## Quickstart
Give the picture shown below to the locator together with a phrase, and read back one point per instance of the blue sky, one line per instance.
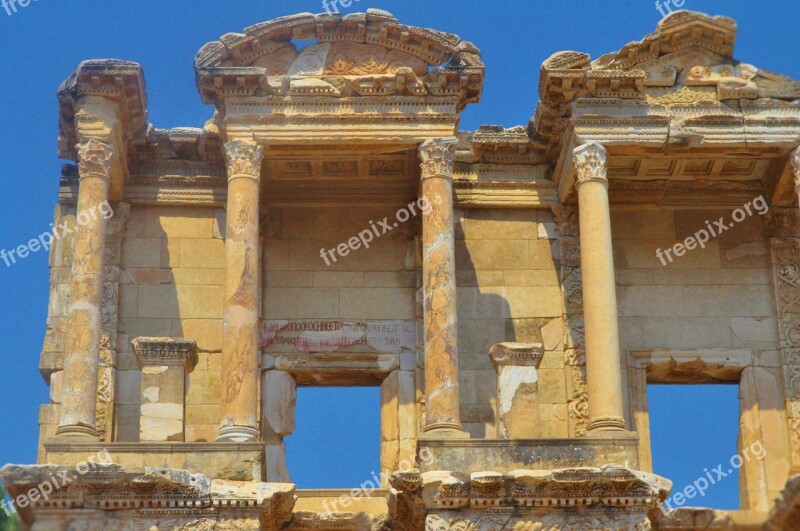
(42, 44)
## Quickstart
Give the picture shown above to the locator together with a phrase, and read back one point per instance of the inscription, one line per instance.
(389, 337)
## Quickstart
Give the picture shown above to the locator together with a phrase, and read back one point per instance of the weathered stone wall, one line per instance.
(717, 297)
(508, 290)
(173, 262)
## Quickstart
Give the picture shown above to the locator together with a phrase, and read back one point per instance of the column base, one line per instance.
(77, 433)
(445, 430)
(601, 424)
(238, 434)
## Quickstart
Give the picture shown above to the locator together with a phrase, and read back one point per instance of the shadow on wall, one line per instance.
(493, 257)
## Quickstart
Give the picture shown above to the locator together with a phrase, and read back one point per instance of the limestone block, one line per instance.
(304, 255)
(157, 301)
(730, 301)
(493, 254)
(275, 462)
(517, 389)
(142, 327)
(333, 279)
(377, 303)
(494, 224)
(472, 278)
(202, 277)
(202, 254)
(179, 222)
(301, 303)
(642, 254)
(533, 277)
(206, 332)
(141, 252)
(650, 301)
(643, 225)
(390, 425)
(276, 255)
(289, 279)
(199, 302)
(762, 329)
(146, 276)
(393, 279)
(536, 301)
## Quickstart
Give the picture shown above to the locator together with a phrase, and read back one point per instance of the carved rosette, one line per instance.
(243, 159)
(437, 157)
(95, 158)
(590, 163)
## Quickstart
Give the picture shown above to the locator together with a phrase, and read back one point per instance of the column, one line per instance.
(82, 347)
(240, 338)
(603, 365)
(440, 327)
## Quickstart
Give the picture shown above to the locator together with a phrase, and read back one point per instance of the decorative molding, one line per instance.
(95, 159)
(590, 162)
(166, 351)
(795, 157)
(437, 157)
(243, 159)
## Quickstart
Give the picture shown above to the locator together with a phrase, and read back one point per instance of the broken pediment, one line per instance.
(363, 54)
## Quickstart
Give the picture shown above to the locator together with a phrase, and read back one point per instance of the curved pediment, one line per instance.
(364, 54)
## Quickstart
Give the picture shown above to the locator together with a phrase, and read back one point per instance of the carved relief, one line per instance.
(590, 163)
(437, 157)
(786, 279)
(95, 158)
(243, 159)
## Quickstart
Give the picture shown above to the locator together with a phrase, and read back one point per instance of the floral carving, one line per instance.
(437, 157)
(243, 159)
(590, 163)
(95, 158)
(795, 157)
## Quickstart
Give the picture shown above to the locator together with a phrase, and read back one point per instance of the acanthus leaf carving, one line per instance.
(95, 158)
(590, 163)
(243, 159)
(437, 157)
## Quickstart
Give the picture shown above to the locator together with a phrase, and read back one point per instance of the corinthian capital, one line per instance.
(590, 163)
(437, 157)
(795, 157)
(95, 158)
(244, 159)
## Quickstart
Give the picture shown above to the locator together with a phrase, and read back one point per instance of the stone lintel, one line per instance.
(165, 351)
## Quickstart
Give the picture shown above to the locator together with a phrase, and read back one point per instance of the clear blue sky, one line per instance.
(43, 43)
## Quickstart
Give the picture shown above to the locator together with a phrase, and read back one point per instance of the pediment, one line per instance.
(364, 54)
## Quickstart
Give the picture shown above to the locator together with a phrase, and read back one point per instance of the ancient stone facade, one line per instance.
(513, 303)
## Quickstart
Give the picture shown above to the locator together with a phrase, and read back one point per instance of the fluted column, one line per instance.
(439, 289)
(603, 364)
(240, 340)
(795, 158)
(82, 348)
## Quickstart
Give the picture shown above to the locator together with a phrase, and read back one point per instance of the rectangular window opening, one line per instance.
(694, 434)
(336, 444)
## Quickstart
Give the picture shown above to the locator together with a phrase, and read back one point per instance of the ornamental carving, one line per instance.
(590, 163)
(243, 159)
(95, 158)
(437, 157)
(795, 157)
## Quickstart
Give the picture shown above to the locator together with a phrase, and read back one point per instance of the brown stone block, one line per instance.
(202, 433)
(207, 332)
(492, 254)
(289, 279)
(203, 277)
(552, 386)
(141, 252)
(199, 302)
(377, 303)
(493, 224)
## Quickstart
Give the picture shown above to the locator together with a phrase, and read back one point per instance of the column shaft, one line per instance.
(603, 364)
(82, 348)
(439, 287)
(240, 336)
